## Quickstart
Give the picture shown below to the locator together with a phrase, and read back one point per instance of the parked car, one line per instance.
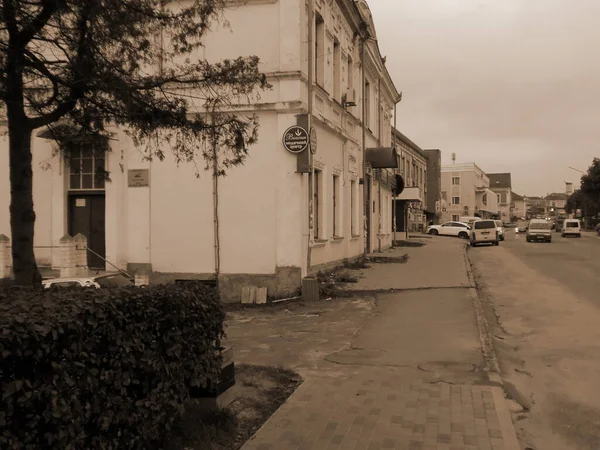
(96, 282)
(500, 228)
(539, 230)
(459, 229)
(571, 227)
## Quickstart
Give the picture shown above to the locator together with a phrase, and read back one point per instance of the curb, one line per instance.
(491, 360)
(492, 367)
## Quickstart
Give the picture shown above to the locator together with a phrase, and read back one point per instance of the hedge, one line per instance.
(105, 368)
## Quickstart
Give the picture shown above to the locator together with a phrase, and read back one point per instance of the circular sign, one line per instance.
(313, 141)
(295, 139)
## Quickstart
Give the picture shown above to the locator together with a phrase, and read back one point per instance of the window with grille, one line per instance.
(87, 170)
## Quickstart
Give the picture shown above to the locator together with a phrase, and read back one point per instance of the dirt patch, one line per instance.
(389, 259)
(260, 391)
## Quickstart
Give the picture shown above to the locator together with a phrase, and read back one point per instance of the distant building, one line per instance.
(555, 203)
(536, 206)
(501, 184)
(411, 204)
(518, 206)
(466, 191)
(434, 185)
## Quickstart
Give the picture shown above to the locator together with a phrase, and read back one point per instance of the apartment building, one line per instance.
(518, 207)
(501, 184)
(466, 192)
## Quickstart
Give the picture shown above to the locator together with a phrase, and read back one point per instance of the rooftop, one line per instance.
(408, 142)
(516, 196)
(557, 196)
(500, 180)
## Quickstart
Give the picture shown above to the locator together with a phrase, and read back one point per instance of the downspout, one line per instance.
(395, 193)
(366, 201)
(379, 143)
(311, 176)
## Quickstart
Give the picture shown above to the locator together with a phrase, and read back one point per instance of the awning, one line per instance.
(382, 157)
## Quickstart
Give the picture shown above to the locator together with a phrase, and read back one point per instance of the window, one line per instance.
(350, 79)
(319, 50)
(455, 217)
(335, 186)
(337, 74)
(498, 197)
(503, 197)
(316, 205)
(455, 181)
(353, 229)
(484, 225)
(444, 196)
(456, 200)
(484, 199)
(367, 104)
(87, 170)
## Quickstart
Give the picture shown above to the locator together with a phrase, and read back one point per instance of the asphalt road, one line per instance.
(543, 307)
(574, 262)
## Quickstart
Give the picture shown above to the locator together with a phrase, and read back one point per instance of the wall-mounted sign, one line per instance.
(80, 202)
(138, 178)
(295, 139)
(313, 141)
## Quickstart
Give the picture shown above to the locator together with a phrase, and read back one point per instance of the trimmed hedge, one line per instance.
(106, 368)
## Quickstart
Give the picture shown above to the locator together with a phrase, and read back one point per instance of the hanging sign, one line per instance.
(295, 139)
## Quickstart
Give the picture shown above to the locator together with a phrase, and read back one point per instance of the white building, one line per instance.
(466, 192)
(157, 217)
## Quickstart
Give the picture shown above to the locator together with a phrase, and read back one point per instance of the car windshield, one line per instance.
(484, 225)
(572, 224)
(539, 226)
(113, 281)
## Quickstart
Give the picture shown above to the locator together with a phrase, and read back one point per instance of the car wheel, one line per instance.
(463, 235)
(579, 235)
(472, 244)
(434, 232)
(496, 243)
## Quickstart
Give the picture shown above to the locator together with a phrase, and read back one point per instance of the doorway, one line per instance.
(87, 216)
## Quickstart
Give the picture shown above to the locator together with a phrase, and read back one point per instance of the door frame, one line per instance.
(83, 193)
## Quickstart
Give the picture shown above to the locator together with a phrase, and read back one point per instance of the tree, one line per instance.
(87, 65)
(590, 182)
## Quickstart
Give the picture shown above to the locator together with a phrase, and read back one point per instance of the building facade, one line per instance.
(434, 187)
(466, 192)
(556, 203)
(411, 204)
(536, 207)
(159, 217)
(518, 207)
(501, 184)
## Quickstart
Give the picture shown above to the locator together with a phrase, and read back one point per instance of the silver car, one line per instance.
(96, 282)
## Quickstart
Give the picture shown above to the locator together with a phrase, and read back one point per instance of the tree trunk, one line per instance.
(22, 215)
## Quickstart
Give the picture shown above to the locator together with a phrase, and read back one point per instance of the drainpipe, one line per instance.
(311, 176)
(366, 201)
(379, 144)
(395, 193)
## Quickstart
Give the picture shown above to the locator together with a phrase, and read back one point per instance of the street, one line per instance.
(543, 309)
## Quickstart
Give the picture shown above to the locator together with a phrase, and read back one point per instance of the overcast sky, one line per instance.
(512, 85)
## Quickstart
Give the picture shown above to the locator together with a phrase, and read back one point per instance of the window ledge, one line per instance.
(355, 236)
(319, 242)
(336, 239)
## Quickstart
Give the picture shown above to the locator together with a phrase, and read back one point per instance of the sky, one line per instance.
(512, 85)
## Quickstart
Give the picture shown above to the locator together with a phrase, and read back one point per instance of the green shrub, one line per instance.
(106, 368)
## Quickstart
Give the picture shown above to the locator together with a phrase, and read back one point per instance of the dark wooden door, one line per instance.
(369, 212)
(87, 216)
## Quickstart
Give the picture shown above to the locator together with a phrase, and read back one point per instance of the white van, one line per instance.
(571, 227)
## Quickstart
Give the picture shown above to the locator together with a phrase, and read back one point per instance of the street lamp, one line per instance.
(583, 208)
(576, 170)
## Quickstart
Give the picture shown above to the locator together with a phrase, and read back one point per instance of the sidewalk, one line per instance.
(411, 377)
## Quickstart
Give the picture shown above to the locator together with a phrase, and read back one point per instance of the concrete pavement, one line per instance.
(544, 311)
(411, 374)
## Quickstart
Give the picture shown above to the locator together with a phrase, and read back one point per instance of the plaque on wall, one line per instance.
(138, 178)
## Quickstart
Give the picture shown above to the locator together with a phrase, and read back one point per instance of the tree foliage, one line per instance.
(135, 64)
(590, 181)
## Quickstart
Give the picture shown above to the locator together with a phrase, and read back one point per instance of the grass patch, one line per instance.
(260, 391)
(359, 263)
